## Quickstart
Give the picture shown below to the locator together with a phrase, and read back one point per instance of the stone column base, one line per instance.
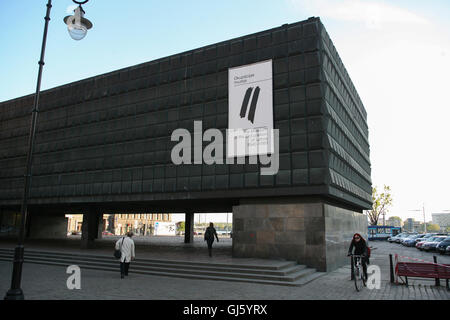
(189, 228)
(315, 234)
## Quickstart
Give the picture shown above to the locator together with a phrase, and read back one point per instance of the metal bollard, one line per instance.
(436, 280)
(391, 269)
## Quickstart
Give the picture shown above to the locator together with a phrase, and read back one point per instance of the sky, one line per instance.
(397, 54)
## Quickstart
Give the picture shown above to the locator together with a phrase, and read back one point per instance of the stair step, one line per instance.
(280, 265)
(177, 275)
(219, 273)
(173, 268)
(282, 273)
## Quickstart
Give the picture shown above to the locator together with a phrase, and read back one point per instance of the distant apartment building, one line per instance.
(139, 223)
(411, 225)
(408, 225)
(394, 222)
(441, 219)
(418, 226)
(119, 224)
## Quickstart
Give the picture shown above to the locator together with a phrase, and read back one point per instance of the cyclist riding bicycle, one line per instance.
(360, 246)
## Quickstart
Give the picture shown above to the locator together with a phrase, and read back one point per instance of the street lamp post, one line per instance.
(15, 292)
(78, 25)
(424, 221)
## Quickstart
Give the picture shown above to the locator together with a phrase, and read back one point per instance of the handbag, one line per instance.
(118, 253)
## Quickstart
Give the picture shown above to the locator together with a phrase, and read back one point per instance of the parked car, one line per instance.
(424, 236)
(443, 245)
(401, 237)
(411, 240)
(107, 233)
(420, 243)
(391, 239)
(223, 232)
(447, 251)
(394, 238)
(431, 244)
(404, 238)
(408, 237)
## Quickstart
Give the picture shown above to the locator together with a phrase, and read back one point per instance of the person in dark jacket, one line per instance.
(359, 244)
(209, 237)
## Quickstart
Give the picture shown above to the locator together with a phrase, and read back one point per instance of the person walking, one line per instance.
(209, 237)
(126, 247)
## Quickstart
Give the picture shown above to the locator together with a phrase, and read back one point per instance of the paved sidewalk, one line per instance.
(49, 282)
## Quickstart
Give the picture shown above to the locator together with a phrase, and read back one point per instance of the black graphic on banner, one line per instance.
(251, 113)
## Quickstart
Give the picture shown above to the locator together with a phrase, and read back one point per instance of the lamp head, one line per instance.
(77, 25)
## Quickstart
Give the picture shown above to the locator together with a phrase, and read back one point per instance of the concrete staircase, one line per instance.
(285, 273)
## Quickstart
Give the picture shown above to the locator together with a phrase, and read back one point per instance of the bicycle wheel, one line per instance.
(358, 278)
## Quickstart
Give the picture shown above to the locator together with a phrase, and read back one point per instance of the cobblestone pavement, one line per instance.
(49, 282)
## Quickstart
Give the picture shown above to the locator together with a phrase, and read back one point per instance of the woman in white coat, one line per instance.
(126, 246)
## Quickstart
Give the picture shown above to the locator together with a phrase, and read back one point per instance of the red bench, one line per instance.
(423, 270)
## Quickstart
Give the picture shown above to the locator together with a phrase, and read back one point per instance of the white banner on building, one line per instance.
(250, 110)
(165, 228)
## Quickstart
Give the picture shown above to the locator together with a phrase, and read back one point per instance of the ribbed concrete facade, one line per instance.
(107, 138)
(104, 143)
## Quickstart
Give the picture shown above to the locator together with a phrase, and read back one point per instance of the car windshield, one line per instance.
(447, 239)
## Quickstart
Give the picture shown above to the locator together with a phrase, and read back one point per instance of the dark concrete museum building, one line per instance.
(104, 145)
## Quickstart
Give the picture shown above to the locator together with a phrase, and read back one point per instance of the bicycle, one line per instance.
(358, 273)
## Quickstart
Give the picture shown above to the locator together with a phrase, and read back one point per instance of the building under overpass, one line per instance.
(104, 145)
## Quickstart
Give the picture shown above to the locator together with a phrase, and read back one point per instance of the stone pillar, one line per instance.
(100, 227)
(315, 234)
(189, 228)
(91, 228)
(111, 223)
(340, 226)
